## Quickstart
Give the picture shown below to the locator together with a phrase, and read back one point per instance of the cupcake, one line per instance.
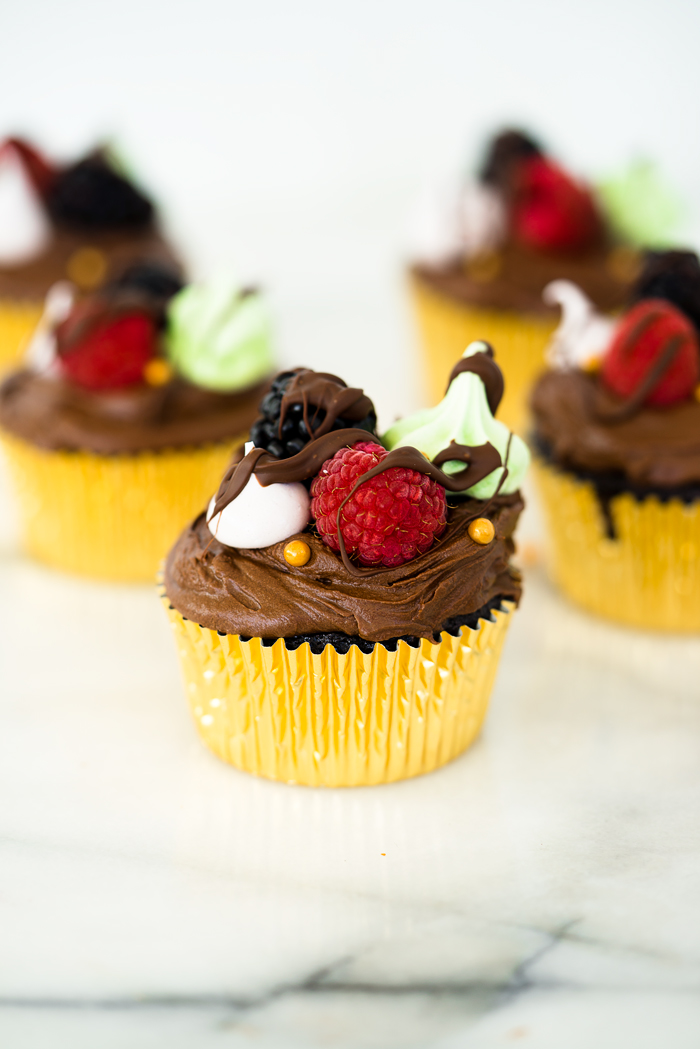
(617, 437)
(127, 410)
(85, 222)
(485, 252)
(340, 607)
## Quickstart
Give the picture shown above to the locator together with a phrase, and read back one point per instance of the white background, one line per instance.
(289, 139)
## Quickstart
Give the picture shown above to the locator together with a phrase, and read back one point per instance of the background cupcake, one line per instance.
(340, 608)
(617, 434)
(485, 253)
(126, 413)
(85, 222)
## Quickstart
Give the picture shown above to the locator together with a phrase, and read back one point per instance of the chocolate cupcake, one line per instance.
(484, 254)
(617, 436)
(85, 222)
(340, 607)
(130, 405)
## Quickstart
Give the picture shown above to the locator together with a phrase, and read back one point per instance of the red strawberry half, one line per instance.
(550, 211)
(641, 337)
(102, 351)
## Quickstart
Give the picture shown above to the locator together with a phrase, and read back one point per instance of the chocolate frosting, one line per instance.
(321, 391)
(54, 414)
(583, 430)
(121, 249)
(256, 593)
(522, 277)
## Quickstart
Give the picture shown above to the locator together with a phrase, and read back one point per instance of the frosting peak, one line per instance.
(219, 336)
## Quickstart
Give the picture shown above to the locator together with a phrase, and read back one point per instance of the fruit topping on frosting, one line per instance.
(583, 334)
(106, 345)
(219, 335)
(550, 211)
(465, 419)
(385, 520)
(25, 230)
(654, 358)
(260, 516)
(303, 404)
(94, 195)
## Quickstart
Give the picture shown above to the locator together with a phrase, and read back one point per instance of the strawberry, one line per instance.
(550, 211)
(103, 351)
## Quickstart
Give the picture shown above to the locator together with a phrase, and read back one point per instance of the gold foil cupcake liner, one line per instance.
(17, 323)
(647, 576)
(338, 720)
(519, 339)
(112, 517)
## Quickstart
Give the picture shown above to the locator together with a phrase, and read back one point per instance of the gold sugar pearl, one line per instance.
(697, 393)
(485, 267)
(157, 372)
(623, 264)
(297, 553)
(87, 267)
(482, 531)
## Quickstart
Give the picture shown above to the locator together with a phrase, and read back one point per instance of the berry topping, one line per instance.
(671, 275)
(390, 519)
(92, 195)
(305, 416)
(550, 211)
(504, 157)
(651, 332)
(102, 349)
(152, 278)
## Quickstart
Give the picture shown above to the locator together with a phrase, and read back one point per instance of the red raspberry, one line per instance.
(389, 520)
(551, 212)
(632, 355)
(113, 352)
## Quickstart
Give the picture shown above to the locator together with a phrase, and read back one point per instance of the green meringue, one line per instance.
(640, 206)
(464, 416)
(218, 337)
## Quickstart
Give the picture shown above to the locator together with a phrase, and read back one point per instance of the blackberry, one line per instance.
(265, 431)
(503, 154)
(674, 276)
(91, 195)
(155, 282)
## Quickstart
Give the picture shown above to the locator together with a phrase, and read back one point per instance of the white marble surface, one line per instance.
(543, 890)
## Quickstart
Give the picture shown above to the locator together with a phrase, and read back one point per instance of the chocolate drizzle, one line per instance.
(325, 393)
(483, 365)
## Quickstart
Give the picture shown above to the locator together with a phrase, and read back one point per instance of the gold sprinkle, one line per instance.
(485, 267)
(157, 372)
(697, 393)
(624, 263)
(297, 553)
(482, 531)
(87, 267)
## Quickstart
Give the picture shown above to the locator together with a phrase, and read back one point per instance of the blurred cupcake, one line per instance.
(127, 411)
(484, 252)
(617, 435)
(85, 222)
(341, 606)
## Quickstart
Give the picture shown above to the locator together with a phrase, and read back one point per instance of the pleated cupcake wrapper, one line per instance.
(519, 340)
(338, 720)
(17, 323)
(647, 576)
(112, 517)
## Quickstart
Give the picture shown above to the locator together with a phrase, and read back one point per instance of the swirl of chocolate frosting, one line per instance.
(483, 365)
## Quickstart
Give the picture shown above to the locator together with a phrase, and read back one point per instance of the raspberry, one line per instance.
(389, 520)
(551, 212)
(111, 353)
(632, 355)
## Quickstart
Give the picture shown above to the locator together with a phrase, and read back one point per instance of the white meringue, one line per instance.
(456, 220)
(583, 334)
(261, 516)
(41, 351)
(25, 230)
